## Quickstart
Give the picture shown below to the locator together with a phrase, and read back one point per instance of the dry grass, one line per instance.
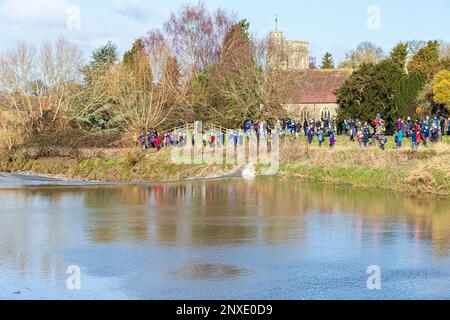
(352, 155)
(433, 175)
(426, 170)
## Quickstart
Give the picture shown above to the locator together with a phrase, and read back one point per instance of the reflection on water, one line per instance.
(130, 239)
(210, 271)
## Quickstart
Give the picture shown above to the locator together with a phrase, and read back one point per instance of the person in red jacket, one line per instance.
(418, 138)
(213, 140)
(158, 143)
(416, 127)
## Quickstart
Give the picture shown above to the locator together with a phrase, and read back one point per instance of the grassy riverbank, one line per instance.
(424, 171)
(106, 165)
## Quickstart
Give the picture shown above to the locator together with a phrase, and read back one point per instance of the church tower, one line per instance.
(287, 54)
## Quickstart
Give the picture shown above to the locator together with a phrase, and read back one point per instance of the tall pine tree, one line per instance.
(327, 61)
(106, 54)
(426, 61)
(399, 55)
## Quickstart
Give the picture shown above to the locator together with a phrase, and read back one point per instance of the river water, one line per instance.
(225, 239)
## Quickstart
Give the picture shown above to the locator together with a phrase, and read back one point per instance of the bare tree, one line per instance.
(35, 83)
(135, 108)
(158, 48)
(11, 129)
(195, 35)
(444, 51)
(366, 52)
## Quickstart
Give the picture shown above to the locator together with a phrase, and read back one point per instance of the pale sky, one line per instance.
(329, 25)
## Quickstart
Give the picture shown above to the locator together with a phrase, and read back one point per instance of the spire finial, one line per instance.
(276, 22)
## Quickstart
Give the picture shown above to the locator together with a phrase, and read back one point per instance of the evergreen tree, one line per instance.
(224, 92)
(132, 55)
(406, 92)
(380, 88)
(94, 99)
(399, 54)
(327, 61)
(106, 54)
(426, 61)
(236, 44)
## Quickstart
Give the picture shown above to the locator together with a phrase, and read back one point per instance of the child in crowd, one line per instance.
(382, 140)
(141, 140)
(167, 142)
(320, 137)
(332, 140)
(366, 135)
(418, 138)
(413, 140)
(310, 135)
(399, 139)
(360, 137)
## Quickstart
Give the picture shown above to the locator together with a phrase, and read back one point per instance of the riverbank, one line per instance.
(426, 170)
(415, 172)
(106, 165)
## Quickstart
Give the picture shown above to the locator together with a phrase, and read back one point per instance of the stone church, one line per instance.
(315, 98)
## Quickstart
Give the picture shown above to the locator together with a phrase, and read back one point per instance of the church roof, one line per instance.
(319, 86)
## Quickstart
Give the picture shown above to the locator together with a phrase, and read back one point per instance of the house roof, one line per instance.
(319, 86)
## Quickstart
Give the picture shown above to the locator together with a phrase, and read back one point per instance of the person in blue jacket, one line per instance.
(320, 136)
(399, 139)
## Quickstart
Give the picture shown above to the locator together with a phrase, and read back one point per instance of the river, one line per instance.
(221, 239)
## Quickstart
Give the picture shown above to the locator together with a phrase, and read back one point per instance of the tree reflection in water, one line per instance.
(35, 221)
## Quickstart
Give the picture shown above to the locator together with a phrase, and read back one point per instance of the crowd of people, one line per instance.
(371, 133)
(418, 131)
(215, 137)
(324, 131)
(151, 139)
